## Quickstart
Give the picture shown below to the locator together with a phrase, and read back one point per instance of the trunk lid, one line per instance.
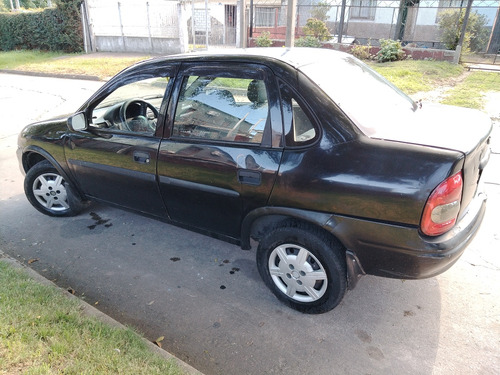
(442, 126)
(465, 130)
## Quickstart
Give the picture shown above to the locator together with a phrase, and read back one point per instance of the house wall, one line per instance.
(422, 21)
(137, 26)
(370, 30)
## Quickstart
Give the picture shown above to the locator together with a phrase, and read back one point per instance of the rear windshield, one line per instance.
(373, 103)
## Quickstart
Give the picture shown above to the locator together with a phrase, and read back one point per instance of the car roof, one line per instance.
(296, 57)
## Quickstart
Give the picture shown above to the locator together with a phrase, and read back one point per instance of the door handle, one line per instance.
(248, 177)
(142, 157)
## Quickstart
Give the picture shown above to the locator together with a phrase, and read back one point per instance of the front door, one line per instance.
(115, 159)
(223, 146)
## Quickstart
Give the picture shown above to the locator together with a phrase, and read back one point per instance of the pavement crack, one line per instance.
(492, 268)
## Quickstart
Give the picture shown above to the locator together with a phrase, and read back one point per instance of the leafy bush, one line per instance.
(317, 29)
(308, 41)
(476, 34)
(53, 29)
(361, 52)
(264, 40)
(390, 50)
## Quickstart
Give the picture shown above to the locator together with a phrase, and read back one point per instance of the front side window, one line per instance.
(133, 107)
(222, 109)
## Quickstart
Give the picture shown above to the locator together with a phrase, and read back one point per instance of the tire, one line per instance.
(49, 193)
(303, 267)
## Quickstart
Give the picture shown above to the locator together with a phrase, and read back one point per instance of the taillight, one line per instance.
(442, 207)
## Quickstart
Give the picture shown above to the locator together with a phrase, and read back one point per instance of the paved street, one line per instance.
(206, 297)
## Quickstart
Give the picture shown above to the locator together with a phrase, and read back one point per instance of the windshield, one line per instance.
(366, 97)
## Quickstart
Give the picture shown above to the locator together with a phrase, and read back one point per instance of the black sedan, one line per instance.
(331, 169)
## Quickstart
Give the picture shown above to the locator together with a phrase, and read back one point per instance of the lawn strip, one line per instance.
(43, 331)
(470, 93)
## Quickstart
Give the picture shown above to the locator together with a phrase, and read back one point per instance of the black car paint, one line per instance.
(369, 193)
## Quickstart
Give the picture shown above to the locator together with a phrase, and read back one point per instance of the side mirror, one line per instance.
(77, 122)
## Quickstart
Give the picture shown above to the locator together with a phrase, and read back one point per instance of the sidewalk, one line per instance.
(484, 67)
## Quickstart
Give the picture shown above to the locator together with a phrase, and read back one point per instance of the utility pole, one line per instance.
(342, 18)
(290, 23)
(458, 50)
(494, 42)
(243, 24)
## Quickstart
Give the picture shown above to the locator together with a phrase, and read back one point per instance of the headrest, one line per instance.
(257, 92)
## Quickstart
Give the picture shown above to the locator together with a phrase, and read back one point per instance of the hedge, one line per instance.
(52, 29)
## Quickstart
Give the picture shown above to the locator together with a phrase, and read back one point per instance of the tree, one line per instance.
(320, 11)
(316, 28)
(476, 34)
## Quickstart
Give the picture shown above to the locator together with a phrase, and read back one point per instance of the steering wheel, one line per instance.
(140, 120)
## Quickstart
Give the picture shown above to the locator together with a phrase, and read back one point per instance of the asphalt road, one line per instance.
(206, 297)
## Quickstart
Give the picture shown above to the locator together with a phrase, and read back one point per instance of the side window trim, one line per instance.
(288, 93)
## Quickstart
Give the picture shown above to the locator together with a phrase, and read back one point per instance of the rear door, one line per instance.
(223, 145)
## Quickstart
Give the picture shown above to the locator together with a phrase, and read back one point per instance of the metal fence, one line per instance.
(138, 26)
(414, 22)
(171, 26)
(211, 24)
(158, 26)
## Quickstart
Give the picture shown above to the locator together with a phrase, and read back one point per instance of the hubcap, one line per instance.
(297, 273)
(50, 192)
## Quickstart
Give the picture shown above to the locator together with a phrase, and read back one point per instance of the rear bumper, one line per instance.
(401, 252)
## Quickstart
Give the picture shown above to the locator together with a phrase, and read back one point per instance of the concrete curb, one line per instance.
(91, 311)
(52, 75)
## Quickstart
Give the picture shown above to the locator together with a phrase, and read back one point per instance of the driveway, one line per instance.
(206, 297)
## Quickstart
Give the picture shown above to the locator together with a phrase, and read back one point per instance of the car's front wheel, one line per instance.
(303, 267)
(49, 193)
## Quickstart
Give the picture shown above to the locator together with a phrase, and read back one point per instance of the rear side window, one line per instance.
(299, 129)
(222, 109)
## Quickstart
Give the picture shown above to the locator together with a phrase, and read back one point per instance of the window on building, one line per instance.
(452, 3)
(265, 16)
(363, 9)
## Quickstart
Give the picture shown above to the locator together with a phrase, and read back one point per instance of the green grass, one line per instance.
(470, 92)
(46, 62)
(44, 332)
(14, 59)
(413, 76)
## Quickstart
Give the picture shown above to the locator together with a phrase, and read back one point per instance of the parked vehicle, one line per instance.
(330, 168)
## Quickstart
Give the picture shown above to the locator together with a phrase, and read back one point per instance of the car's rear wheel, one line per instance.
(49, 192)
(303, 267)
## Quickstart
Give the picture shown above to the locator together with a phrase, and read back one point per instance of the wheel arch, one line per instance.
(33, 155)
(263, 219)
